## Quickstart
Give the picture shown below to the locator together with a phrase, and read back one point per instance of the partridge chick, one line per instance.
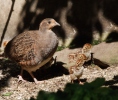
(72, 56)
(86, 50)
(76, 71)
(33, 49)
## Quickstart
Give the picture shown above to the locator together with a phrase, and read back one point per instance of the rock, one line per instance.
(106, 52)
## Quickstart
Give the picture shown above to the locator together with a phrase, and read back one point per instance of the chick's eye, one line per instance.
(49, 22)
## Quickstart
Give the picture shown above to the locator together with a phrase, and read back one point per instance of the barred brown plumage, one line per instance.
(33, 49)
(77, 69)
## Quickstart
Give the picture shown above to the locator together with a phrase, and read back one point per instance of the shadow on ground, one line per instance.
(10, 69)
(111, 83)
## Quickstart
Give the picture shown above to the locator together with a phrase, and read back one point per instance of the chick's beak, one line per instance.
(57, 24)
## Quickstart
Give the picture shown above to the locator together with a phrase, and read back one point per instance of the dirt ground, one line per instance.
(52, 79)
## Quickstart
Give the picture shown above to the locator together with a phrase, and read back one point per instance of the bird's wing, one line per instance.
(28, 49)
(25, 50)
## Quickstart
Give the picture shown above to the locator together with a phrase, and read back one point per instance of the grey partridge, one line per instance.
(76, 70)
(33, 49)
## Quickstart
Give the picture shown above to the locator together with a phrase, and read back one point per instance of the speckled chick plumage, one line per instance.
(76, 70)
(86, 50)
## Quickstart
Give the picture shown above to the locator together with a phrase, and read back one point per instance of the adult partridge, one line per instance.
(33, 49)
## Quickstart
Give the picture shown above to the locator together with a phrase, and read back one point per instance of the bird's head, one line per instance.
(86, 48)
(48, 24)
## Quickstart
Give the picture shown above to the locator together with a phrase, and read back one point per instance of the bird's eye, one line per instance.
(49, 22)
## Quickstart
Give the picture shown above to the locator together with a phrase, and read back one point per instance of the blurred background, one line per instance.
(81, 21)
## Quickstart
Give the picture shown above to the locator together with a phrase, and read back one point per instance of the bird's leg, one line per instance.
(55, 60)
(51, 61)
(20, 78)
(48, 64)
(72, 78)
(80, 81)
(71, 81)
(92, 59)
(35, 80)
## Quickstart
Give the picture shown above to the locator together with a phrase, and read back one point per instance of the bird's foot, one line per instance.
(38, 82)
(81, 83)
(20, 79)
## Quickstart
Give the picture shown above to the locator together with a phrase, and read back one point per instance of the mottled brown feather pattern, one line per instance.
(77, 69)
(27, 50)
(32, 49)
(73, 56)
(79, 58)
(86, 50)
(79, 63)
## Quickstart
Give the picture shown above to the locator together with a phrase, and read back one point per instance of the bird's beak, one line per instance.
(57, 24)
(53, 25)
